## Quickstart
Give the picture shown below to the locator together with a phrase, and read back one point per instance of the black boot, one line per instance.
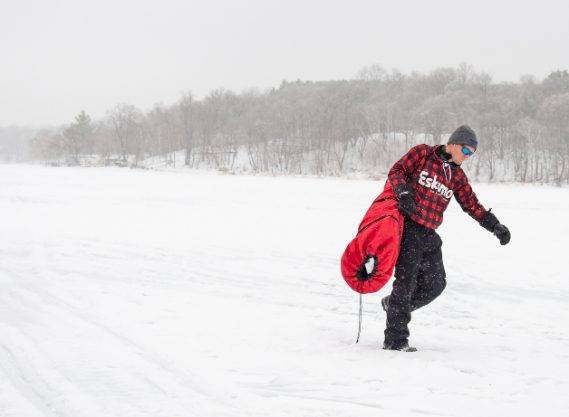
(402, 348)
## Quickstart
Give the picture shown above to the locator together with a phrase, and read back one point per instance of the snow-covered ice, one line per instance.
(140, 293)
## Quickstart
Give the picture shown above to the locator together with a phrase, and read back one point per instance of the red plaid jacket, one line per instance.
(434, 182)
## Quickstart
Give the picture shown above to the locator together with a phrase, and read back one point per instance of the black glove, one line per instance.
(491, 223)
(502, 233)
(406, 201)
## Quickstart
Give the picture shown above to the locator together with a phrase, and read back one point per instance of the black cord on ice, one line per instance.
(360, 319)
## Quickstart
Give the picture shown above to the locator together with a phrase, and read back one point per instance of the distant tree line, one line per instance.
(336, 127)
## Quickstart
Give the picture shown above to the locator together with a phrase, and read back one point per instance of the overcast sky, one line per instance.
(61, 56)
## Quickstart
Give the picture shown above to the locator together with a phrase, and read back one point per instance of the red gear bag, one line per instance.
(379, 236)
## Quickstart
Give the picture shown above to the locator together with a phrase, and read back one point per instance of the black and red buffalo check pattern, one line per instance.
(421, 167)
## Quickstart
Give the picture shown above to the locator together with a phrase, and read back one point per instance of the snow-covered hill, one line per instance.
(135, 293)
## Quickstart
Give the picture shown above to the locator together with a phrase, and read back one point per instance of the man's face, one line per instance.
(458, 157)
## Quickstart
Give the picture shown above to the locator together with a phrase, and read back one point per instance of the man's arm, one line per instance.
(402, 169)
(470, 204)
(468, 201)
(399, 175)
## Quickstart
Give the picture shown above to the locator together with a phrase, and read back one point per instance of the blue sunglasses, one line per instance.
(466, 151)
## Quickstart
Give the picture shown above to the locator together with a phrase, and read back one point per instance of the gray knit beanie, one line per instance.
(464, 135)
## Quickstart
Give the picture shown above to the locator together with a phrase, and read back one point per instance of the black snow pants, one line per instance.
(419, 279)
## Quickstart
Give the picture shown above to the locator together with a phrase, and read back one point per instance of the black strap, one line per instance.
(360, 319)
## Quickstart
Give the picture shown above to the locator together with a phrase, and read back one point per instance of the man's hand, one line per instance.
(406, 202)
(490, 222)
(502, 233)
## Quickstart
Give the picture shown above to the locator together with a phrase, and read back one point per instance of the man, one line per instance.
(424, 180)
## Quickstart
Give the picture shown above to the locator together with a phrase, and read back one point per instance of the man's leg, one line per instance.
(431, 280)
(406, 270)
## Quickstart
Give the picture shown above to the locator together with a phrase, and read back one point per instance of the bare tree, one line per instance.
(185, 111)
(555, 113)
(48, 146)
(124, 119)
